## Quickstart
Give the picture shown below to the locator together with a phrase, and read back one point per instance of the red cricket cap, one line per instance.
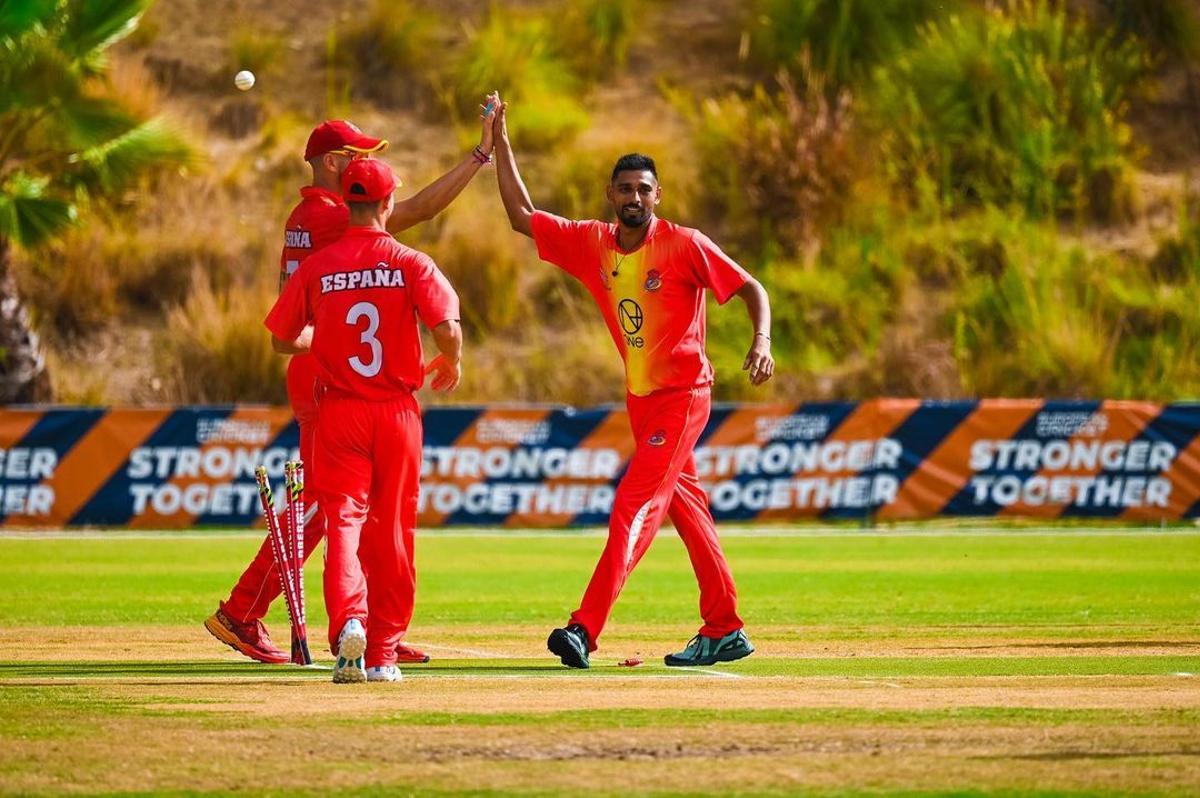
(338, 134)
(368, 180)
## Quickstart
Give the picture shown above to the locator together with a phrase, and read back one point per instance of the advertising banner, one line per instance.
(523, 466)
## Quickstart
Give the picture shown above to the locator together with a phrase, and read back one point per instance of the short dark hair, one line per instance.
(364, 208)
(634, 162)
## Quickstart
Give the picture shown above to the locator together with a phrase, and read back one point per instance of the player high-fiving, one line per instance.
(363, 296)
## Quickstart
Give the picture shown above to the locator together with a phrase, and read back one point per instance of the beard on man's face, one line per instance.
(634, 216)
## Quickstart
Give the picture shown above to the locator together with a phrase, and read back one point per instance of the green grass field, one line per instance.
(966, 662)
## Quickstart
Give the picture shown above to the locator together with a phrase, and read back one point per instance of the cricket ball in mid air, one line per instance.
(244, 80)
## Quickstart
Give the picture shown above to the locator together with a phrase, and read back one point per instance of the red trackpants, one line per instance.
(661, 481)
(369, 456)
(259, 584)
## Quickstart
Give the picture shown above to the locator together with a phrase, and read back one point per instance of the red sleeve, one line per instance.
(432, 294)
(560, 241)
(714, 269)
(291, 312)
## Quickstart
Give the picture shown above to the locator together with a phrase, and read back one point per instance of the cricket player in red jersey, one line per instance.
(648, 276)
(317, 221)
(362, 298)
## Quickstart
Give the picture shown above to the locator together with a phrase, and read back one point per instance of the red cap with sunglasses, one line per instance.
(338, 134)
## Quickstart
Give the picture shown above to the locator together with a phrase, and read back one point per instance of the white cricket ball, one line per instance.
(244, 80)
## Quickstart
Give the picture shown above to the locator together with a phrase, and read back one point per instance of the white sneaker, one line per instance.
(384, 673)
(352, 642)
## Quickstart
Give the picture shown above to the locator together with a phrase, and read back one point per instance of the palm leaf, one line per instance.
(114, 164)
(18, 16)
(27, 215)
(87, 122)
(94, 25)
(34, 74)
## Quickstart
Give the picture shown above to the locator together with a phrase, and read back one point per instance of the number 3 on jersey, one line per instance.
(372, 366)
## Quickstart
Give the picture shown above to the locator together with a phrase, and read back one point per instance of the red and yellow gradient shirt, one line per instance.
(364, 295)
(652, 298)
(316, 222)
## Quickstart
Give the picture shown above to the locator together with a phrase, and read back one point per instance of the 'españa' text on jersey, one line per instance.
(381, 276)
(364, 294)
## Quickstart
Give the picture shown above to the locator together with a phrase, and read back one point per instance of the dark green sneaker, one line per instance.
(571, 645)
(703, 650)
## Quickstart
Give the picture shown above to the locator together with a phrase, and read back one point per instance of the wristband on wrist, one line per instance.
(764, 335)
(480, 156)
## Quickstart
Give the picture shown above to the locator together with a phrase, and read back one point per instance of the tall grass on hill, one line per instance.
(522, 56)
(258, 50)
(775, 166)
(595, 36)
(1017, 106)
(472, 243)
(1037, 316)
(845, 39)
(1169, 26)
(389, 48)
(214, 347)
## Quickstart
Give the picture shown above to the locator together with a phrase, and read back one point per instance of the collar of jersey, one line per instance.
(364, 232)
(646, 240)
(316, 192)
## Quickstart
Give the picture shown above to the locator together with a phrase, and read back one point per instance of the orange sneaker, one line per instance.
(250, 639)
(408, 654)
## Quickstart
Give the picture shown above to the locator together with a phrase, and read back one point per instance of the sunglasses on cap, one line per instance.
(354, 155)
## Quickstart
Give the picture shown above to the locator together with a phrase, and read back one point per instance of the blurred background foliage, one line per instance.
(944, 197)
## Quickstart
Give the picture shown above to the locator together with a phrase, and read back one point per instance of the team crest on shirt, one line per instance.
(658, 438)
(653, 280)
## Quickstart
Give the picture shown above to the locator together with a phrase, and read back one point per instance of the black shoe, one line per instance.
(571, 645)
(702, 650)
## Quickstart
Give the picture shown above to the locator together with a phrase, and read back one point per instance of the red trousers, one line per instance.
(369, 456)
(259, 584)
(661, 481)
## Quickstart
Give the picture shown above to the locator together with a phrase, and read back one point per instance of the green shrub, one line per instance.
(594, 36)
(388, 51)
(521, 56)
(775, 166)
(846, 38)
(1017, 106)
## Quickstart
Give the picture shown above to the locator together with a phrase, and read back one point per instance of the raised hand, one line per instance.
(487, 116)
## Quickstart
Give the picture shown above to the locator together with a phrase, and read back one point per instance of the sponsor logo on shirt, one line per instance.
(658, 438)
(629, 313)
(653, 280)
(297, 239)
(382, 276)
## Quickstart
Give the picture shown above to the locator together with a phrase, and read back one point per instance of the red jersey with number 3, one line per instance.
(651, 298)
(364, 294)
(320, 219)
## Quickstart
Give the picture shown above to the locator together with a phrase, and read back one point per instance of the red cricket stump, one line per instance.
(294, 485)
(283, 548)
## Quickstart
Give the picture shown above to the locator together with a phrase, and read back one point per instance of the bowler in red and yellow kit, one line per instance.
(649, 278)
(320, 219)
(363, 297)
